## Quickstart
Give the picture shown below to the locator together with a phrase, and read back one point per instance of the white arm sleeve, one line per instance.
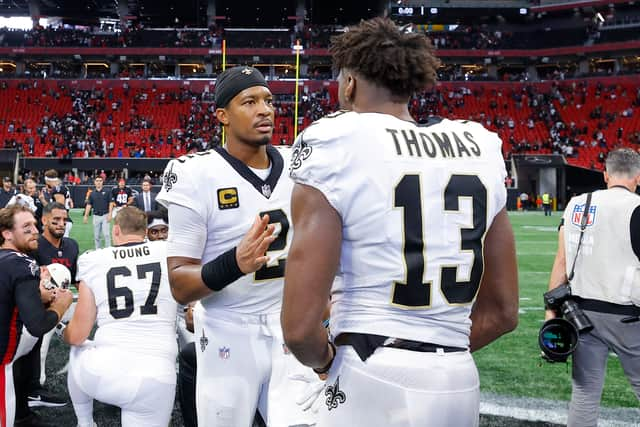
(187, 232)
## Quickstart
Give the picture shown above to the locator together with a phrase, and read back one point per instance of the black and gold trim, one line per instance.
(413, 293)
(463, 291)
(264, 187)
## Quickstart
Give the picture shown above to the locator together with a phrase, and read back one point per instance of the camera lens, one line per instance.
(575, 315)
(556, 339)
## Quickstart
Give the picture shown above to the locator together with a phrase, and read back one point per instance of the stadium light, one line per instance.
(16, 22)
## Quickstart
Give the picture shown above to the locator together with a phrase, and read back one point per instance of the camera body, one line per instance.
(561, 301)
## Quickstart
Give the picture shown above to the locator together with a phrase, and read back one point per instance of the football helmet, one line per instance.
(60, 276)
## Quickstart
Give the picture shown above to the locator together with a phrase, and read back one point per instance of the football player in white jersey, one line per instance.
(131, 361)
(412, 218)
(229, 211)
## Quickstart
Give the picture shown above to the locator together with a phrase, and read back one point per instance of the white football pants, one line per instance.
(401, 388)
(243, 364)
(143, 386)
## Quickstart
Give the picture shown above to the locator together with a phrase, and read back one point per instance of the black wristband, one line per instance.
(222, 271)
(326, 368)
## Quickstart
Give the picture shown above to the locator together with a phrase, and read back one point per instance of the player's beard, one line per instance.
(58, 234)
(258, 142)
(264, 140)
(26, 246)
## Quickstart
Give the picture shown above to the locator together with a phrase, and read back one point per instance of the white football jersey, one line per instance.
(416, 202)
(227, 196)
(135, 308)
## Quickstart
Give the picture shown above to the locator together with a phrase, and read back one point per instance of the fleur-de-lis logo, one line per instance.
(301, 152)
(204, 341)
(335, 396)
(247, 71)
(169, 178)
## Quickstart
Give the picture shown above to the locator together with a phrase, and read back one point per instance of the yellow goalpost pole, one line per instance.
(295, 114)
(224, 67)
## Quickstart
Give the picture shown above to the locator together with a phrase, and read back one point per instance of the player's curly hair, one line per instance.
(383, 54)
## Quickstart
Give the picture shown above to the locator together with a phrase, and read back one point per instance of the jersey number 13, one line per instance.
(413, 292)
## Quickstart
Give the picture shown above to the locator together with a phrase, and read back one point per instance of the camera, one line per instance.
(558, 337)
(560, 300)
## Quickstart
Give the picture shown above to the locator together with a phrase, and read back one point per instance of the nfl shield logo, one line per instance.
(224, 353)
(578, 211)
(266, 190)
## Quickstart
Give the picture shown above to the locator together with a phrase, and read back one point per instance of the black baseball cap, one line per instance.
(7, 179)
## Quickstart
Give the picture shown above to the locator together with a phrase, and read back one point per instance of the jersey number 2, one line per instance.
(413, 293)
(114, 292)
(277, 271)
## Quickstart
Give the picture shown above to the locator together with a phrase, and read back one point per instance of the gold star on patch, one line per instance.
(247, 71)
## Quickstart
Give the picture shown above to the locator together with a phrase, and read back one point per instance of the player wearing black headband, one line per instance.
(237, 275)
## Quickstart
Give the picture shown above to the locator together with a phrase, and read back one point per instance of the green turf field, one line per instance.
(509, 367)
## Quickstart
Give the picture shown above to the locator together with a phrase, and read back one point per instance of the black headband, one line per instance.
(234, 80)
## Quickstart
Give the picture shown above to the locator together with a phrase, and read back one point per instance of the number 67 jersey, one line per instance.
(135, 308)
(416, 202)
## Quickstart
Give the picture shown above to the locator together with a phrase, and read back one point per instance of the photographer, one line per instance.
(605, 282)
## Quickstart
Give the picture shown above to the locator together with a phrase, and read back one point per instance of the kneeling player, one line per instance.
(131, 361)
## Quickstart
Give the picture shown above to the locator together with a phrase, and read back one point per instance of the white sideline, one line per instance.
(551, 411)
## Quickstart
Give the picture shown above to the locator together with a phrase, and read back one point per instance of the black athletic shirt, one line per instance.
(66, 254)
(20, 302)
(64, 191)
(120, 196)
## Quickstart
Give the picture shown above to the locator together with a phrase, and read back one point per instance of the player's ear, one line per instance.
(6, 235)
(116, 231)
(606, 177)
(221, 115)
(350, 88)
